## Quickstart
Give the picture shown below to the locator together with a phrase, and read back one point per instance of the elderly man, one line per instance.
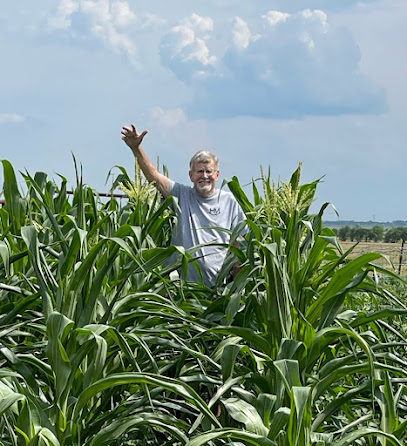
(204, 208)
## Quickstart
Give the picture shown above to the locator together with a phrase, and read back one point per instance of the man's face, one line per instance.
(204, 176)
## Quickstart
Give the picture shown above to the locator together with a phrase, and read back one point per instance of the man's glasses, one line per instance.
(208, 172)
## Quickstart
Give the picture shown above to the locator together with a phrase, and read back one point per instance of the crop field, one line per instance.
(103, 342)
(390, 251)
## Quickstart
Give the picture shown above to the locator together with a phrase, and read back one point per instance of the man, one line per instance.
(204, 208)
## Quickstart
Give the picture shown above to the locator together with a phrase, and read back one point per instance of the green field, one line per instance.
(102, 342)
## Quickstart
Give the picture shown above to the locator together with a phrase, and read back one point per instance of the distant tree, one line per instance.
(344, 233)
(377, 233)
(359, 234)
(365, 234)
(394, 235)
(353, 233)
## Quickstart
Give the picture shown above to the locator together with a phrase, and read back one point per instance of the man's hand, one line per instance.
(132, 138)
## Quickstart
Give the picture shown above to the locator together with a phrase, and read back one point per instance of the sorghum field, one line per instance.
(102, 342)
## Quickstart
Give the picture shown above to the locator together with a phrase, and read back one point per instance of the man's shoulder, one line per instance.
(176, 189)
(227, 195)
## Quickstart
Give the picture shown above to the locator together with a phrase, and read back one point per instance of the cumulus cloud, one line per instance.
(11, 118)
(184, 49)
(294, 65)
(111, 22)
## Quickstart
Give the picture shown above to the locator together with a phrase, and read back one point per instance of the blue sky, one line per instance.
(267, 83)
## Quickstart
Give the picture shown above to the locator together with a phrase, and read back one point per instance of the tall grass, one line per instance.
(102, 343)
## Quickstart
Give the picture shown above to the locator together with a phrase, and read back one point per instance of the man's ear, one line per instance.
(190, 175)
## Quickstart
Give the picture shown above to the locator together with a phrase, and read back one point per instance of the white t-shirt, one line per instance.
(198, 223)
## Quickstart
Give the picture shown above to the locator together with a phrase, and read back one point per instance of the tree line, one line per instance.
(375, 234)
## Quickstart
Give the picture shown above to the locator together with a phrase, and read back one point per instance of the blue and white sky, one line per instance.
(258, 82)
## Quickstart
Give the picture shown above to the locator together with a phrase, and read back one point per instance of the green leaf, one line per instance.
(228, 359)
(299, 426)
(118, 427)
(279, 422)
(215, 434)
(5, 256)
(173, 385)
(289, 372)
(245, 413)
(265, 404)
(41, 269)
(12, 196)
(365, 433)
(340, 282)
(247, 334)
(58, 328)
(9, 400)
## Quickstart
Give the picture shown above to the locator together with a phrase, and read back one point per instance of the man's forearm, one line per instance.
(133, 139)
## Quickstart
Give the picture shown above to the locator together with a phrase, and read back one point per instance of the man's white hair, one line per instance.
(205, 157)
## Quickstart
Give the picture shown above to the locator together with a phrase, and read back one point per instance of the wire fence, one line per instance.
(394, 254)
(99, 194)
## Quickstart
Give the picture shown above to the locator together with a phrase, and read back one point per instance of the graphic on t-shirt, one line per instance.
(214, 211)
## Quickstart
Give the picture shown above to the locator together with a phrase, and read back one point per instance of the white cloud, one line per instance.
(119, 42)
(122, 15)
(274, 17)
(317, 17)
(200, 52)
(62, 17)
(13, 118)
(99, 10)
(167, 118)
(202, 26)
(296, 65)
(184, 49)
(282, 65)
(112, 22)
(241, 33)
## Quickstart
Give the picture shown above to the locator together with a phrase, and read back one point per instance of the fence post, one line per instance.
(401, 255)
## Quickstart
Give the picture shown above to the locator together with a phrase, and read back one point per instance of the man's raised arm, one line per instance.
(133, 140)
